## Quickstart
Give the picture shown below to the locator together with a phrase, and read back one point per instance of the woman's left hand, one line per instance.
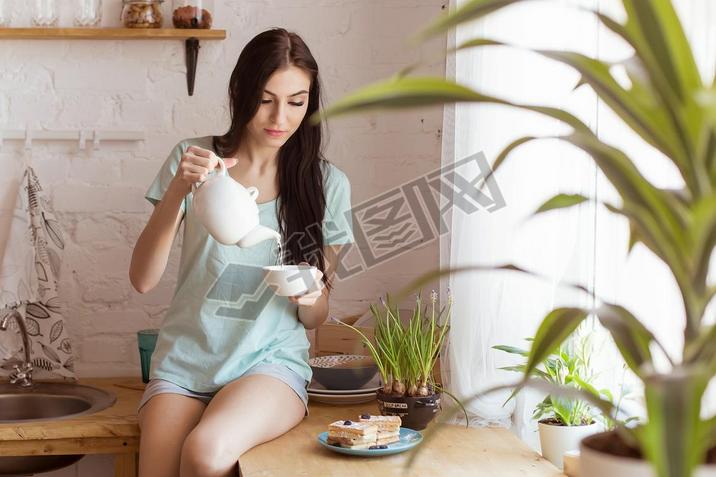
(309, 298)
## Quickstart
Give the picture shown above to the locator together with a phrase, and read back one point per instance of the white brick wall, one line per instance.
(98, 195)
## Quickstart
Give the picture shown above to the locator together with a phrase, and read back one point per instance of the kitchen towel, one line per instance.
(29, 273)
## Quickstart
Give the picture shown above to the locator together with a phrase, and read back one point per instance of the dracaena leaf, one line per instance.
(630, 183)
(561, 201)
(646, 228)
(470, 10)
(511, 349)
(630, 336)
(658, 25)
(703, 235)
(402, 92)
(638, 110)
(703, 350)
(672, 438)
(554, 329)
(405, 92)
(650, 121)
(659, 81)
(428, 277)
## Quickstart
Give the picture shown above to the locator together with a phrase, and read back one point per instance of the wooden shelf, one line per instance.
(190, 36)
(110, 34)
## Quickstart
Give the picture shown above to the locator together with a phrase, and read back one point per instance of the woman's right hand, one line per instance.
(195, 166)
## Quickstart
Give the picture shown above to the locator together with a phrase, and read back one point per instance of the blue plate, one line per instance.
(408, 439)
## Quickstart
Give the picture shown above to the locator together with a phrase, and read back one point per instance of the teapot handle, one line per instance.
(253, 192)
(222, 171)
(222, 166)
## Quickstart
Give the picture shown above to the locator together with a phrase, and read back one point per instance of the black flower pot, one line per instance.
(415, 412)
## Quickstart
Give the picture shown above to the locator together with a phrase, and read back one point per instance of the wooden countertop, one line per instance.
(120, 420)
(455, 451)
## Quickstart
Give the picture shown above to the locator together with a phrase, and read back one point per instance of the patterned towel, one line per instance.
(29, 273)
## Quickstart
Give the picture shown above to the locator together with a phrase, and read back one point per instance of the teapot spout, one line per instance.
(258, 234)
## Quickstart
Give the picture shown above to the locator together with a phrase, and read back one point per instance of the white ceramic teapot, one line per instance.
(228, 210)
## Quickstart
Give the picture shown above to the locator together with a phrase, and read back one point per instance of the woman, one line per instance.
(230, 367)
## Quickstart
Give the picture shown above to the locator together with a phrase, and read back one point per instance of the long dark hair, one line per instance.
(302, 200)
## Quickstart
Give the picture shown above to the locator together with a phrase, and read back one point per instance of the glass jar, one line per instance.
(88, 13)
(44, 13)
(5, 13)
(142, 13)
(192, 13)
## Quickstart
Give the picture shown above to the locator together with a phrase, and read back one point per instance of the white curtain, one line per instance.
(584, 244)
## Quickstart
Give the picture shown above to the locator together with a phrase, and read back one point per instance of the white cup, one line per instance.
(292, 280)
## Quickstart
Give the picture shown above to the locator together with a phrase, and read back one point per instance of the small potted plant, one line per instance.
(562, 422)
(406, 355)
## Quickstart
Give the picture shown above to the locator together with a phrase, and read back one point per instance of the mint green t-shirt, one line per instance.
(223, 318)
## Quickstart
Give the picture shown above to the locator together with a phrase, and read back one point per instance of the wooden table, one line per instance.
(454, 452)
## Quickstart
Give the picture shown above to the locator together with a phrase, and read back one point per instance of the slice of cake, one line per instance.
(388, 427)
(353, 435)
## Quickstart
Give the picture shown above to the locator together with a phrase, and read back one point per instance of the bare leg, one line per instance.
(245, 413)
(165, 420)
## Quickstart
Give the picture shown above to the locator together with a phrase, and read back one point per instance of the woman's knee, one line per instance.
(165, 420)
(208, 453)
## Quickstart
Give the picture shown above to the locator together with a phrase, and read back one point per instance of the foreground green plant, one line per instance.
(670, 107)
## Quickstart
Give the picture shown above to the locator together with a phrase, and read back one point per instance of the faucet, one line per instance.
(23, 374)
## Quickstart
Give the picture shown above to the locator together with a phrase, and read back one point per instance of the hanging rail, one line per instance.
(94, 136)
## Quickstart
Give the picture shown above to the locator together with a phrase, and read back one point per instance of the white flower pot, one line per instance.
(595, 463)
(556, 440)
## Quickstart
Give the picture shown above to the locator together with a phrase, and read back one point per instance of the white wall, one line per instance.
(98, 195)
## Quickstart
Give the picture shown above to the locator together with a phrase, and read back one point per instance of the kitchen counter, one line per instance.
(111, 431)
(455, 451)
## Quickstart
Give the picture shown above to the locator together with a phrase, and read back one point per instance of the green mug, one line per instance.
(147, 340)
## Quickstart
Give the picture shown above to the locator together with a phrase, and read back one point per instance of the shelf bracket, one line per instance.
(192, 54)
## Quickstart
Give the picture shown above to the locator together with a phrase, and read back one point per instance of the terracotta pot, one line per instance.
(415, 412)
(596, 461)
(555, 440)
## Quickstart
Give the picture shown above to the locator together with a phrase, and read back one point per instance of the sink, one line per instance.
(46, 402)
(50, 401)
(35, 464)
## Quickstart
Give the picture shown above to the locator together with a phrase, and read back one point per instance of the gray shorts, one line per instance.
(279, 371)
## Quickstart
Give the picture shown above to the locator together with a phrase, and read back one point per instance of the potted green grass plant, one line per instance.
(406, 354)
(562, 422)
(670, 106)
